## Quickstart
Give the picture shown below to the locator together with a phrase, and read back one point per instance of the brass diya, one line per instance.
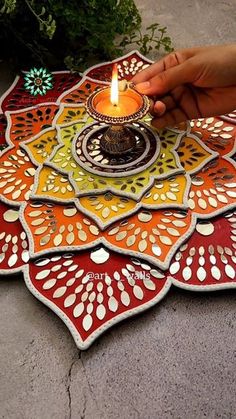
(131, 106)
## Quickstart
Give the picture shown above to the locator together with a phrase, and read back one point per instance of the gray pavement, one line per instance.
(178, 360)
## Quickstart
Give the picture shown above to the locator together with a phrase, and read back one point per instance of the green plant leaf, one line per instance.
(53, 33)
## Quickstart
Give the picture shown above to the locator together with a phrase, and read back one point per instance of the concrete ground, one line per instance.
(178, 360)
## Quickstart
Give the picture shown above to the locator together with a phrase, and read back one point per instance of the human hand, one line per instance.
(190, 83)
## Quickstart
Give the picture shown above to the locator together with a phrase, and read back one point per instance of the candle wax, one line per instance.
(126, 106)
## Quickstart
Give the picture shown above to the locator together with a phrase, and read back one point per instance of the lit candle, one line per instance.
(115, 103)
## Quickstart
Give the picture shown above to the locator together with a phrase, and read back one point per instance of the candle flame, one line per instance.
(114, 86)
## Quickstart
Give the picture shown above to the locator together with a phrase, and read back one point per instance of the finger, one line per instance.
(170, 60)
(152, 103)
(156, 107)
(162, 83)
(159, 108)
(149, 72)
(169, 119)
(169, 102)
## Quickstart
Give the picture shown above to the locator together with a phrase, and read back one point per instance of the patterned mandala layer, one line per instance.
(97, 237)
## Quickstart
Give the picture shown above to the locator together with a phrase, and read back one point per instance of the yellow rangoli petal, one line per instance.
(53, 184)
(63, 158)
(167, 192)
(71, 114)
(106, 207)
(41, 147)
(193, 154)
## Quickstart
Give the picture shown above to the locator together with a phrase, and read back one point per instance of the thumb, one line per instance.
(167, 80)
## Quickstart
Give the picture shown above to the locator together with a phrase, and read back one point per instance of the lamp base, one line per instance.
(118, 140)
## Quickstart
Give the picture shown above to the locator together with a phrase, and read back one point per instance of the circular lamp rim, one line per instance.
(117, 120)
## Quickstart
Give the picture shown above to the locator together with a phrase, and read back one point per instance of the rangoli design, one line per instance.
(99, 238)
(38, 81)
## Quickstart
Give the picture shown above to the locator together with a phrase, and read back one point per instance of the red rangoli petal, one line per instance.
(19, 98)
(128, 66)
(13, 242)
(91, 292)
(218, 135)
(213, 189)
(208, 260)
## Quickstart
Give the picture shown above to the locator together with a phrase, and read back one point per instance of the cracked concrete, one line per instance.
(178, 360)
(68, 384)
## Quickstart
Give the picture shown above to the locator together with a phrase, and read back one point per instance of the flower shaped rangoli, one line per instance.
(38, 81)
(98, 237)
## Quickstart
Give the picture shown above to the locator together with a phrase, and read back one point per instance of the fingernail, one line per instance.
(143, 86)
